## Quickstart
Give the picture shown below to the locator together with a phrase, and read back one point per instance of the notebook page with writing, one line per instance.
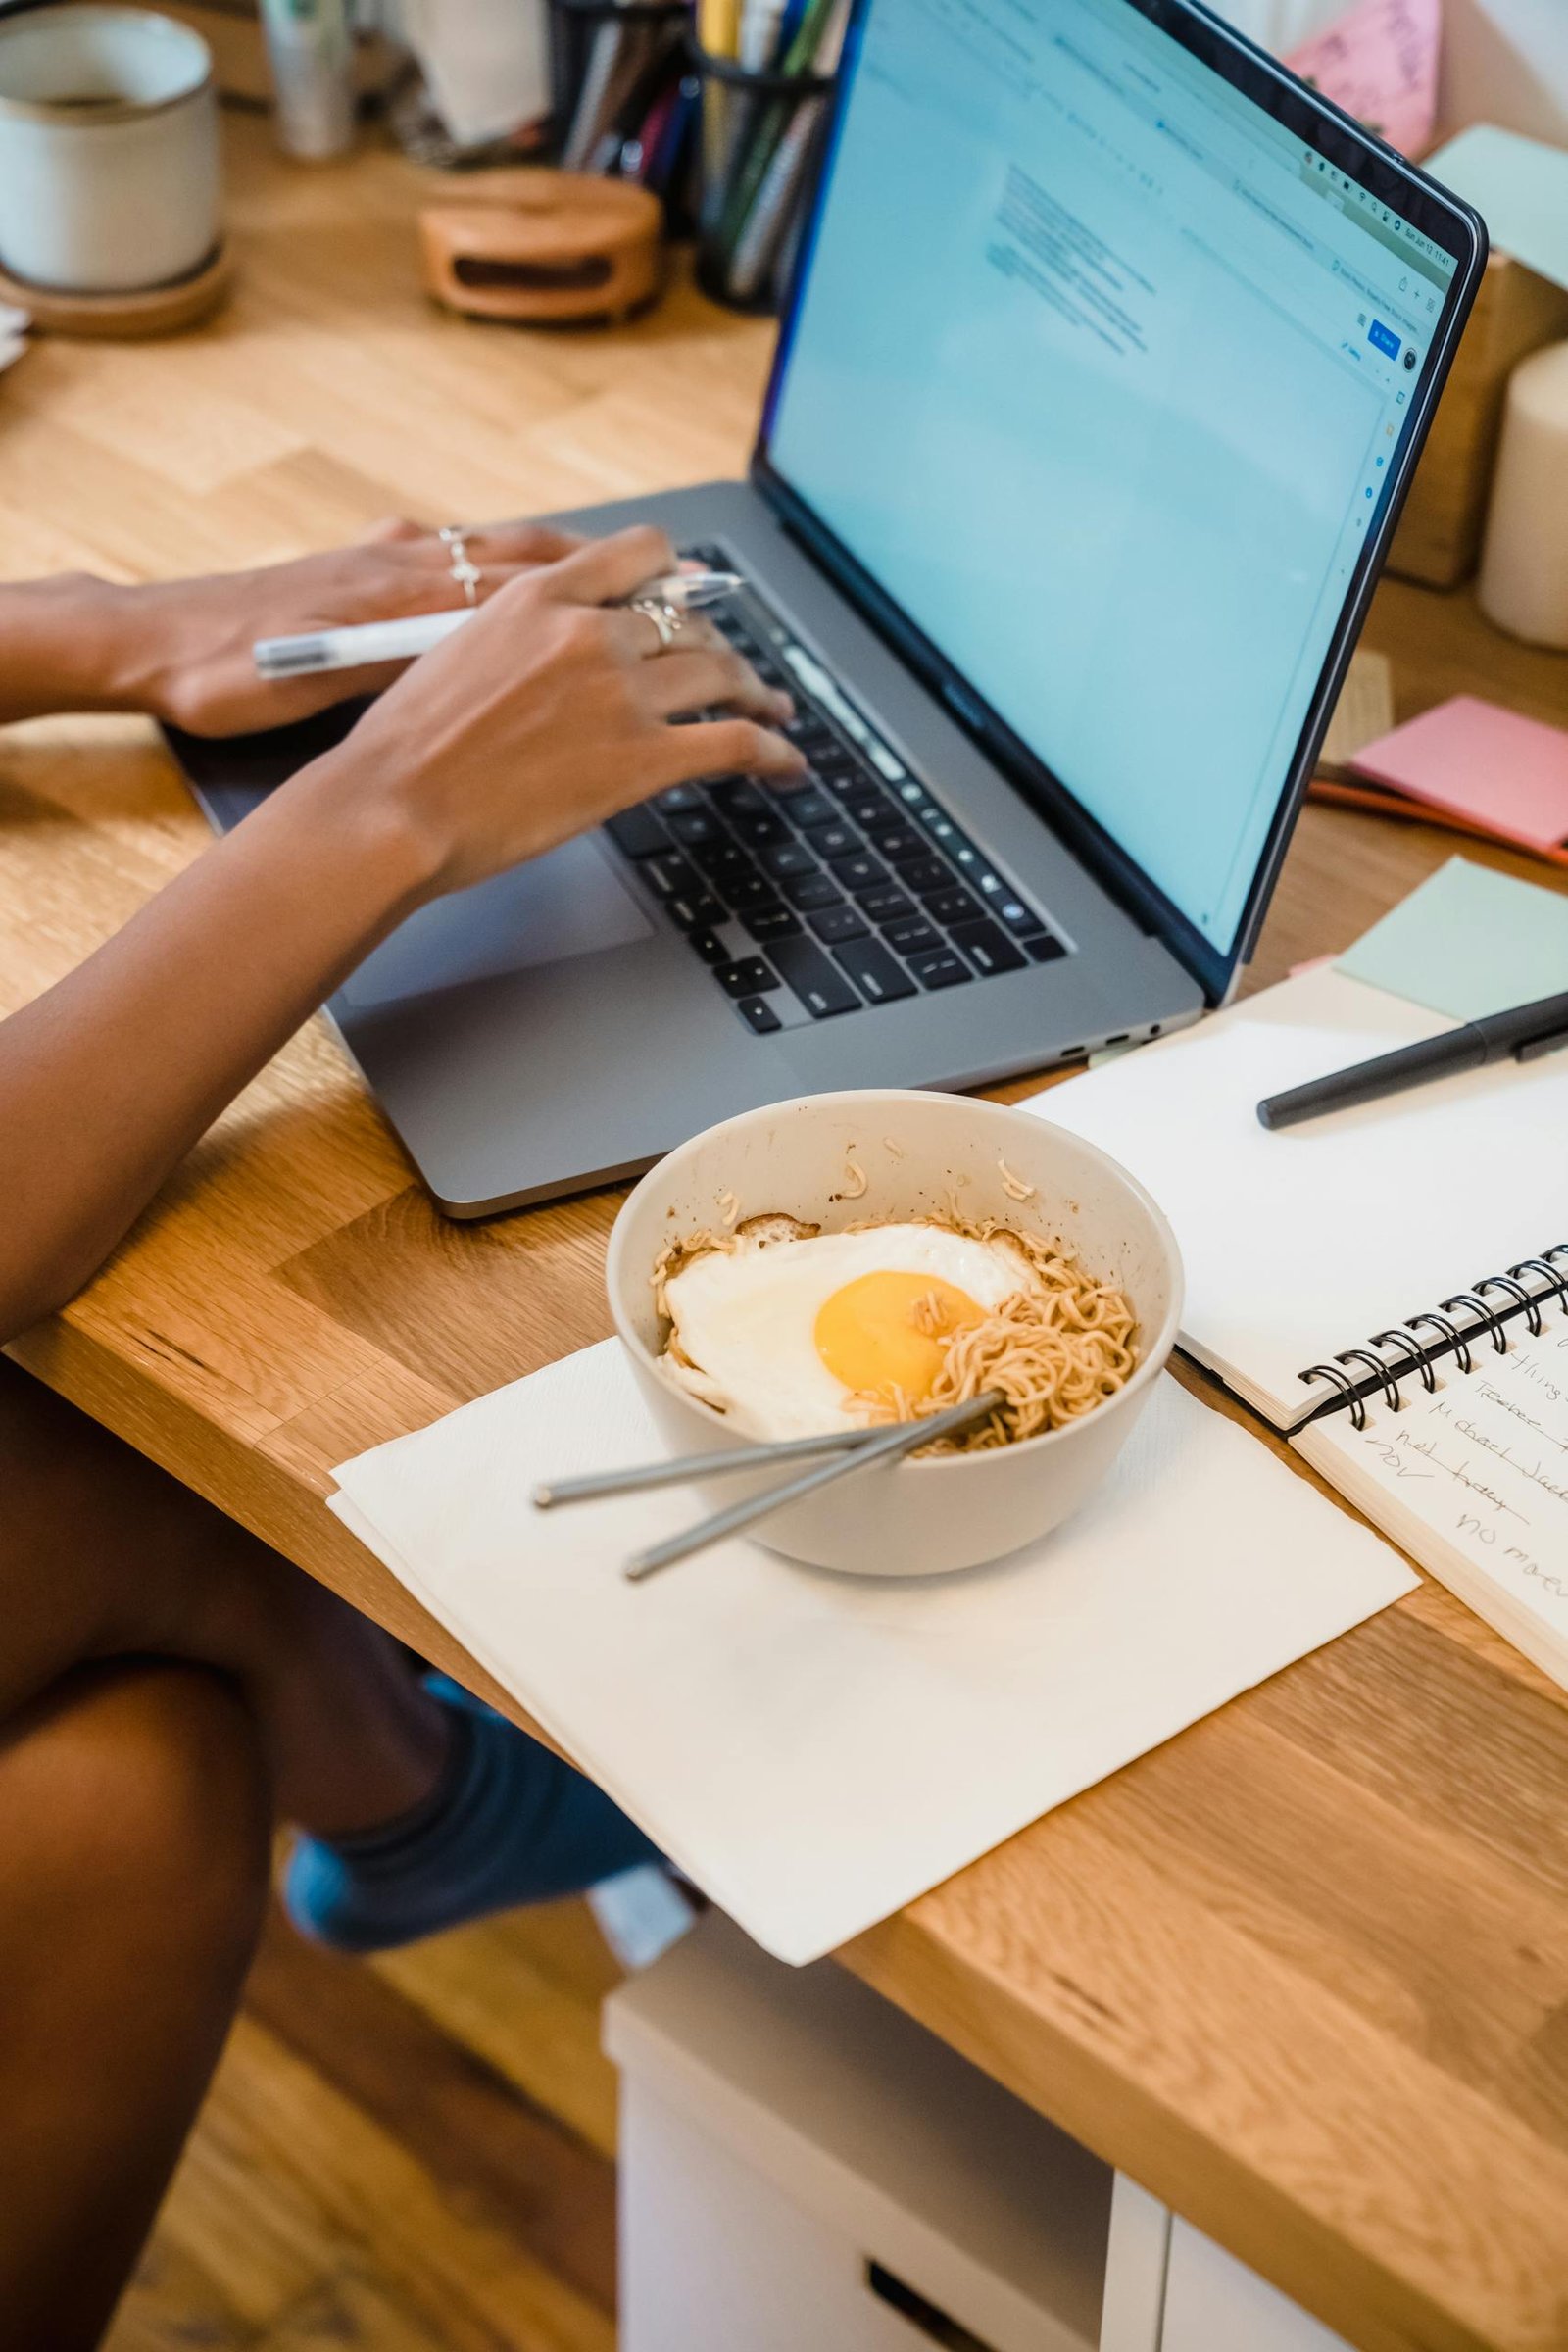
(1301, 1243)
(1472, 1480)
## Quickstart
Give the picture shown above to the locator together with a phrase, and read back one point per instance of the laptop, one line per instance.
(1108, 353)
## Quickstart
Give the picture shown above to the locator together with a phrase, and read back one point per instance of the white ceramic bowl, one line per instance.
(919, 1152)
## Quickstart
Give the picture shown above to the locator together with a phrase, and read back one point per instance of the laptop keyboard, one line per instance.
(850, 889)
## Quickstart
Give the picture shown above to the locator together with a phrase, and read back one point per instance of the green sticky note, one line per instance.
(1520, 188)
(1468, 941)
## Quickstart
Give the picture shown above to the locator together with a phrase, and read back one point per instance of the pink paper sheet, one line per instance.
(1379, 61)
(1506, 773)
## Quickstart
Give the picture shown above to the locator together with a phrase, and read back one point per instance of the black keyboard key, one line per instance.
(868, 807)
(758, 1015)
(746, 892)
(786, 858)
(748, 978)
(760, 828)
(859, 872)
(807, 809)
(737, 796)
(1021, 921)
(723, 861)
(709, 945)
(771, 921)
(879, 976)
(695, 910)
(940, 967)
(677, 798)
(886, 906)
(940, 826)
(821, 989)
(926, 874)
(638, 833)
(1046, 948)
(898, 844)
(989, 950)
(809, 891)
(838, 923)
(914, 936)
(837, 840)
(952, 906)
(692, 827)
(669, 874)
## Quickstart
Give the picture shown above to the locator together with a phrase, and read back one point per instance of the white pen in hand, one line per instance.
(375, 641)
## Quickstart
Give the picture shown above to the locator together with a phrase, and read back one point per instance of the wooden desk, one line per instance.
(1303, 1972)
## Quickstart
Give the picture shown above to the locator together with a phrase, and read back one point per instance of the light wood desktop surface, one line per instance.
(1304, 1970)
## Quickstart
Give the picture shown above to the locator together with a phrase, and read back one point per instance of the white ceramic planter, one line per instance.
(109, 162)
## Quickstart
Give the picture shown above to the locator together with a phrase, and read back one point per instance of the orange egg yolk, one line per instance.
(869, 1336)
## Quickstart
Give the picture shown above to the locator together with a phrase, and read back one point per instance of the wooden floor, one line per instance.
(416, 2154)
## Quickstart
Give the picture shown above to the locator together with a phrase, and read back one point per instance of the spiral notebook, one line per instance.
(1460, 1451)
(1392, 1283)
(1296, 1243)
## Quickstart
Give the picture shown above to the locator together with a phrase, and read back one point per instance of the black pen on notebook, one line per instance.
(1521, 1033)
(371, 641)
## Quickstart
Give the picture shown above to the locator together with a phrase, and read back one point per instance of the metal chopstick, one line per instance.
(696, 1465)
(905, 1436)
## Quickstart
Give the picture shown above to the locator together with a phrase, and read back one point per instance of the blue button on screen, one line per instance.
(1384, 337)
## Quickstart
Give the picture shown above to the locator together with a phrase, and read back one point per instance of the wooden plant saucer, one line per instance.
(155, 310)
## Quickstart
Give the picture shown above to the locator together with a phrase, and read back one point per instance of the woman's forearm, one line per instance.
(550, 711)
(108, 1079)
(74, 643)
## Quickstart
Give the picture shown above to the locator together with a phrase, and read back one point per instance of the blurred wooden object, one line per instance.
(1439, 538)
(543, 248)
(1304, 1971)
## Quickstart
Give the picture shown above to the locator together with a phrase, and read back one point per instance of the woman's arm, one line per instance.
(544, 716)
(181, 649)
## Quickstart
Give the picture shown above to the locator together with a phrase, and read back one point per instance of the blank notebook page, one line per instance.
(1305, 1242)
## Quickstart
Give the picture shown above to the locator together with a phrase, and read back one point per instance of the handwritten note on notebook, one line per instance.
(1473, 1481)
(1379, 61)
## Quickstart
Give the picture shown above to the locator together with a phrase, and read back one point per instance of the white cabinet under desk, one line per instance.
(806, 2169)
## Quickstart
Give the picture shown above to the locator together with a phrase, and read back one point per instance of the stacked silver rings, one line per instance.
(459, 563)
(668, 619)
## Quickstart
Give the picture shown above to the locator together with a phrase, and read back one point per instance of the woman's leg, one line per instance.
(424, 1808)
(102, 1556)
(134, 1820)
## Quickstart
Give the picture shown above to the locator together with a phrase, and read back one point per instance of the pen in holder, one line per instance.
(623, 96)
(761, 134)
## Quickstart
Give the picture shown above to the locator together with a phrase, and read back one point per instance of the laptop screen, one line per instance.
(1100, 373)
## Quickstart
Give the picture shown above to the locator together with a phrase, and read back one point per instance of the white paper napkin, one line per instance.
(813, 1749)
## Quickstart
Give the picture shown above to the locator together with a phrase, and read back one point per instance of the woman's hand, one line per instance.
(547, 714)
(186, 652)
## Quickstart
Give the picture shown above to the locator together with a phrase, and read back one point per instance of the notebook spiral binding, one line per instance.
(1419, 1356)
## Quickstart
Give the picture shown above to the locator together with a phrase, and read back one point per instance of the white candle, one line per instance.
(1524, 568)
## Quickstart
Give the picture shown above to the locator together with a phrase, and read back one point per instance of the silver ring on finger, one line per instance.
(668, 619)
(459, 563)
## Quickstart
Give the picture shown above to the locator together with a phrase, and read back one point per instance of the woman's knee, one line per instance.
(136, 1796)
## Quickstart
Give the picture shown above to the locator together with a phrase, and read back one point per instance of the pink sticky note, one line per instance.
(1505, 773)
(1379, 61)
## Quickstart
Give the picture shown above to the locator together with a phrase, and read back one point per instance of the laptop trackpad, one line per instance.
(569, 903)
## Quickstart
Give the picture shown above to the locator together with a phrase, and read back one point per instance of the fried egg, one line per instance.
(782, 1335)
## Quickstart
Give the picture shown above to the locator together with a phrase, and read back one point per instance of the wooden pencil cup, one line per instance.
(760, 137)
(540, 248)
